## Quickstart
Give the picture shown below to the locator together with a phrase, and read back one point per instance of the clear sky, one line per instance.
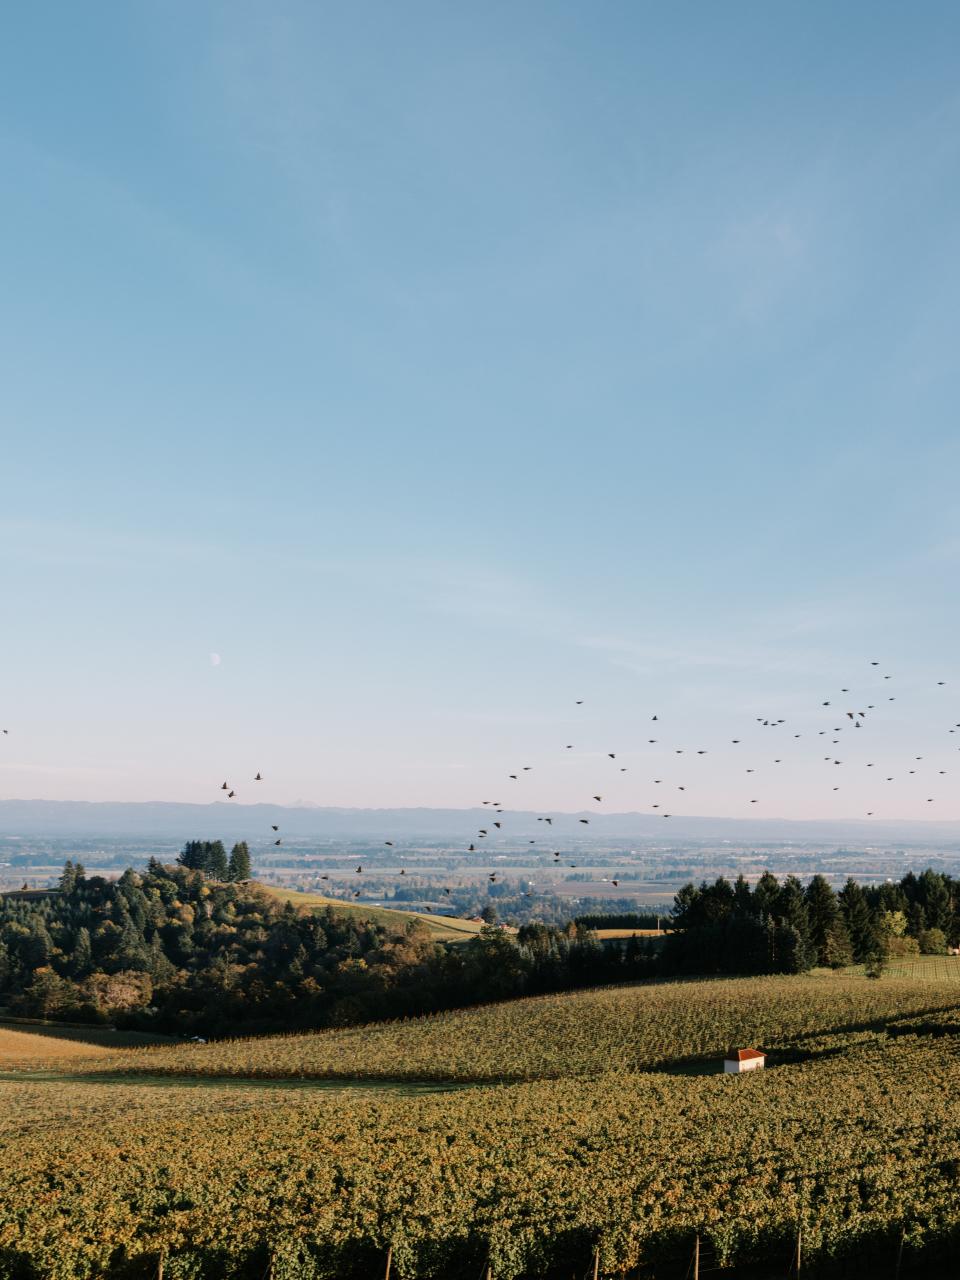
(437, 365)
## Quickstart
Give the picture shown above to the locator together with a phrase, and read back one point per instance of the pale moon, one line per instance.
(214, 659)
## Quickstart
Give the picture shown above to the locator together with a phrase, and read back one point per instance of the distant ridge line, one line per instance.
(176, 820)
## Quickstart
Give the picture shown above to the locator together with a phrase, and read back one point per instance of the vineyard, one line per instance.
(851, 1137)
(581, 1034)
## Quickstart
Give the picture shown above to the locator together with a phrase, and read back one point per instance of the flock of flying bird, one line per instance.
(854, 716)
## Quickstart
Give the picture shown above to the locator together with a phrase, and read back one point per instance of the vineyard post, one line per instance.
(160, 1267)
(696, 1257)
(596, 1262)
(389, 1262)
(798, 1258)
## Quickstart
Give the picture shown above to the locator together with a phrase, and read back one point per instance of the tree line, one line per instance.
(789, 927)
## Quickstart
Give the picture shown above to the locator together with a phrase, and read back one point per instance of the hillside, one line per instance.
(592, 1033)
(851, 1136)
(440, 928)
(167, 820)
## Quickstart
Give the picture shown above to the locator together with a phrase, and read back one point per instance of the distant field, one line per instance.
(605, 934)
(441, 928)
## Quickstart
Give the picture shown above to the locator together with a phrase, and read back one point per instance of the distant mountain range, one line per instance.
(171, 821)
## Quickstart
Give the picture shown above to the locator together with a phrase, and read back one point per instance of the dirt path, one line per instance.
(131, 1079)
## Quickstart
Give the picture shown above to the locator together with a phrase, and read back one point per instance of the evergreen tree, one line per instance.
(837, 951)
(192, 856)
(216, 861)
(82, 960)
(765, 895)
(68, 878)
(743, 899)
(791, 908)
(824, 913)
(861, 927)
(935, 898)
(239, 865)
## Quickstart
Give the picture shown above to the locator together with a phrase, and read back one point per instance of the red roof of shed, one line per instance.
(744, 1055)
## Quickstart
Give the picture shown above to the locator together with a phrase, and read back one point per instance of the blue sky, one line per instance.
(438, 365)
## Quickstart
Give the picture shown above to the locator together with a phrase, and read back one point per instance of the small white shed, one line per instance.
(740, 1060)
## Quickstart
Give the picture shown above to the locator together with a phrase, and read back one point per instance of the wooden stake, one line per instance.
(389, 1262)
(799, 1231)
(160, 1268)
(596, 1262)
(696, 1257)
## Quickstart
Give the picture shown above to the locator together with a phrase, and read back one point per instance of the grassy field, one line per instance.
(41, 1044)
(22, 1047)
(441, 928)
(604, 934)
